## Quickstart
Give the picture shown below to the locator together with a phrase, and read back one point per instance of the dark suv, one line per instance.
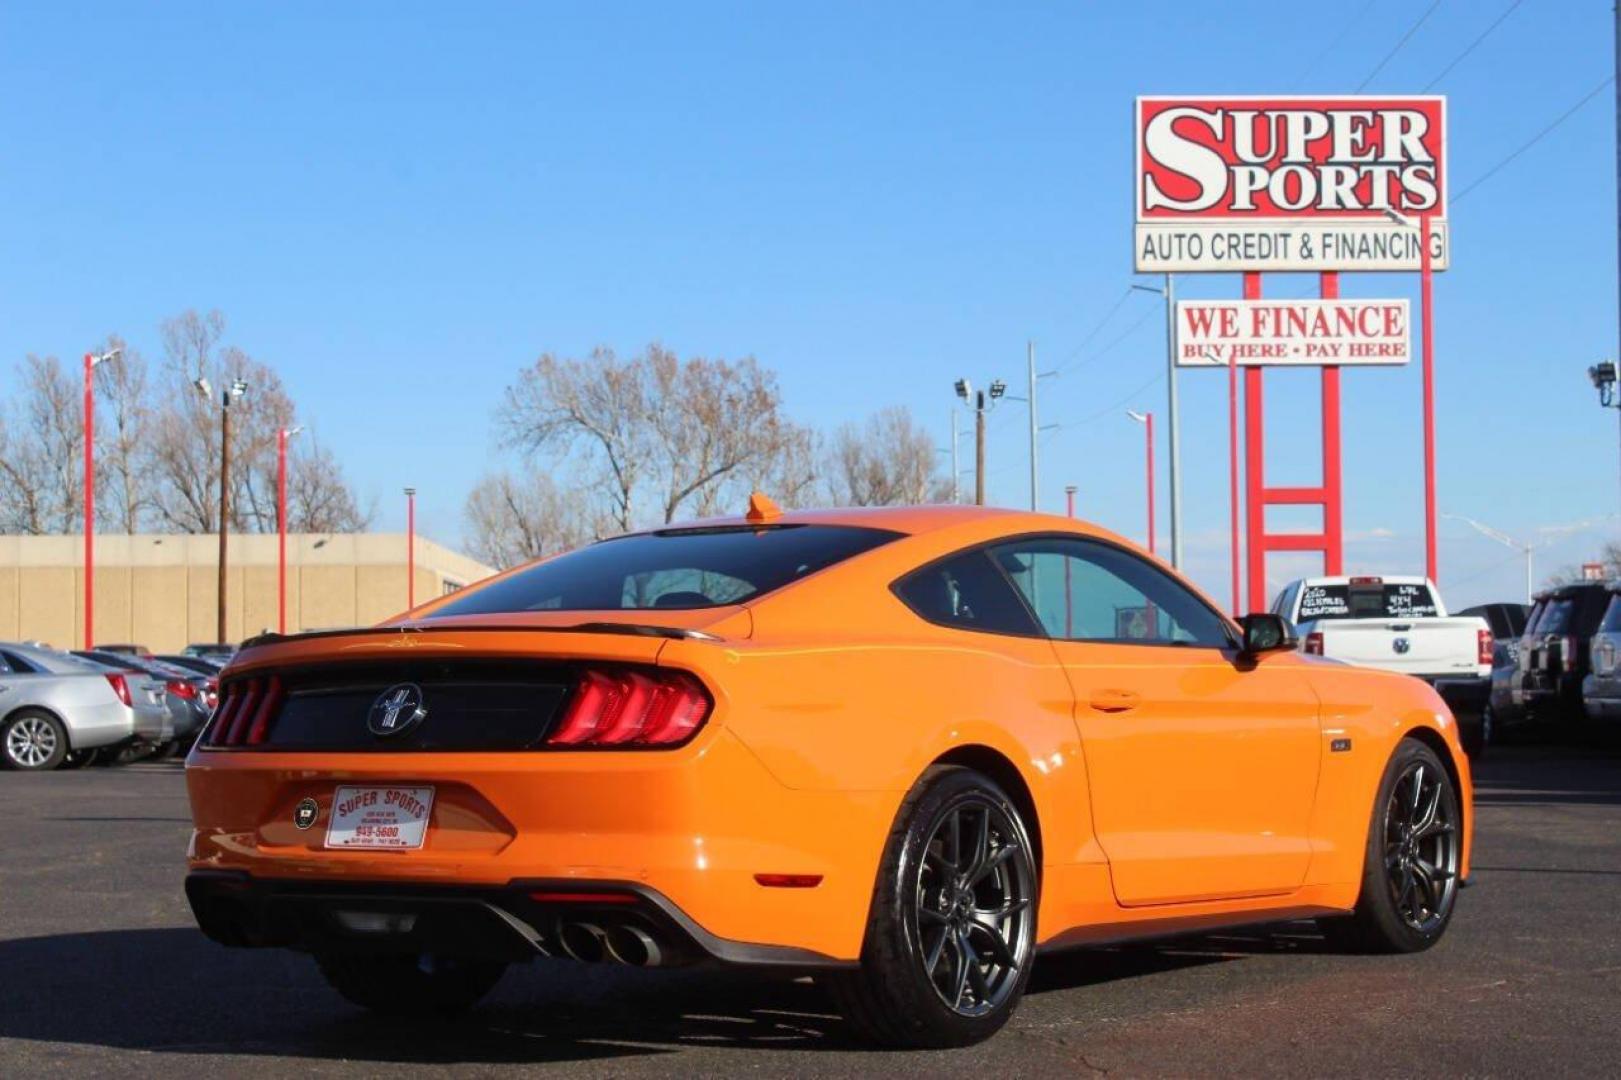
(1601, 690)
(1546, 683)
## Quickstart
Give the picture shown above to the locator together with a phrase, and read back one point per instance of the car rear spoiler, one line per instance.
(673, 633)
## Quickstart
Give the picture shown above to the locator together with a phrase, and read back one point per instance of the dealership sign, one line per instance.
(1215, 333)
(1297, 183)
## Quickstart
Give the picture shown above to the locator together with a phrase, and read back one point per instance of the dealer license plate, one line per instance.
(379, 817)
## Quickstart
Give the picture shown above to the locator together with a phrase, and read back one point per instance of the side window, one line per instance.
(968, 592)
(1082, 590)
(13, 664)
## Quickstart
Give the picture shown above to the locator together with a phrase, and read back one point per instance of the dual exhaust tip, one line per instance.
(614, 944)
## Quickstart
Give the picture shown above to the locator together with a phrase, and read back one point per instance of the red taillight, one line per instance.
(246, 712)
(1567, 652)
(1314, 643)
(181, 688)
(1483, 646)
(120, 687)
(623, 707)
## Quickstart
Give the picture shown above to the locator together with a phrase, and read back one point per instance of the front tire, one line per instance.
(33, 741)
(1414, 852)
(414, 986)
(951, 934)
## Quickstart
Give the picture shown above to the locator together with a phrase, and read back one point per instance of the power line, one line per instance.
(1484, 34)
(1114, 343)
(1391, 55)
(1538, 137)
(1128, 399)
(1354, 21)
(1098, 329)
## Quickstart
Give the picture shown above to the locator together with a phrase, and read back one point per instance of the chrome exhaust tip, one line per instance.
(629, 945)
(583, 941)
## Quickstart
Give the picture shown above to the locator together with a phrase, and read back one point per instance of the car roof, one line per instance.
(909, 520)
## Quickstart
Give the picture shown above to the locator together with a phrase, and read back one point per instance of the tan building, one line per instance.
(160, 591)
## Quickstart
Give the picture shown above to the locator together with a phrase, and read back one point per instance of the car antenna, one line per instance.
(762, 509)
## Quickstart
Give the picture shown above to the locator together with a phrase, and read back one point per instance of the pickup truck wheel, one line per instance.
(410, 985)
(33, 741)
(951, 934)
(1414, 852)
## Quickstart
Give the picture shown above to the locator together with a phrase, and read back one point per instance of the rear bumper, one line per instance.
(592, 921)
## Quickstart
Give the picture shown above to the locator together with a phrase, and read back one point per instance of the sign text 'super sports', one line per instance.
(1300, 183)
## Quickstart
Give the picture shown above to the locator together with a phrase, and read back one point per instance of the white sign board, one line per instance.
(1289, 183)
(1214, 333)
(379, 817)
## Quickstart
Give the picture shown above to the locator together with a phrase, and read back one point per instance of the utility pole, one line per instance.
(1030, 361)
(956, 470)
(410, 547)
(1173, 413)
(980, 401)
(235, 390)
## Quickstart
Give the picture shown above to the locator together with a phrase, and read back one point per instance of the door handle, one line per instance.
(1112, 701)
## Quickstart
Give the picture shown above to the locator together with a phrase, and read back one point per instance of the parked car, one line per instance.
(1545, 685)
(125, 650)
(216, 649)
(56, 709)
(202, 665)
(1469, 698)
(870, 745)
(1394, 623)
(186, 694)
(1601, 688)
(1506, 621)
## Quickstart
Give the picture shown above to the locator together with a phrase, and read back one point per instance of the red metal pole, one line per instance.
(1426, 306)
(410, 547)
(1254, 478)
(1069, 498)
(1333, 507)
(1232, 473)
(281, 531)
(1149, 427)
(89, 503)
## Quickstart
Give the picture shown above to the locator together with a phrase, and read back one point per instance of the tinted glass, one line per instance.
(1086, 591)
(968, 592)
(675, 568)
(1366, 600)
(1533, 621)
(1612, 616)
(1514, 616)
(1557, 616)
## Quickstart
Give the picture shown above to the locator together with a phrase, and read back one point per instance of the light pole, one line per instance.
(1173, 414)
(410, 547)
(281, 526)
(1069, 499)
(1147, 420)
(1549, 535)
(980, 401)
(90, 362)
(235, 390)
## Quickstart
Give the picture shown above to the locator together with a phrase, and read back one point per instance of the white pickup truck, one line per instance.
(1395, 623)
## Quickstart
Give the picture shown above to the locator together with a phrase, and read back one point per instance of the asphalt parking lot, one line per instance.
(102, 972)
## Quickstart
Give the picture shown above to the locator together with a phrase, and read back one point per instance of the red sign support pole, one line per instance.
(89, 502)
(281, 530)
(1328, 495)
(1426, 278)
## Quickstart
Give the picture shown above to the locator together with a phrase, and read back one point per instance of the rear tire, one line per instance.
(951, 933)
(32, 740)
(1411, 864)
(404, 985)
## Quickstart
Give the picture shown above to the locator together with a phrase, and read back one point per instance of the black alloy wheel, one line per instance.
(951, 931)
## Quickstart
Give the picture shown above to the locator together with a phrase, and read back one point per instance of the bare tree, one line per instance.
(42, 451)
(123, 454)
(678, 436)
(888, 460)
(319, 499)
(515, 519)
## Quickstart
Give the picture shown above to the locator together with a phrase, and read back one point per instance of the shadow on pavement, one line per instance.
(1526, 776)
(173, 991)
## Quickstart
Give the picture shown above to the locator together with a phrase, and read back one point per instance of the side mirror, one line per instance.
(1265, 632)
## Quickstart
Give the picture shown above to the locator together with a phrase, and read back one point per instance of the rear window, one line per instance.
(1612, 616)
(672, 569)
(1366, 600)
(1557, 616)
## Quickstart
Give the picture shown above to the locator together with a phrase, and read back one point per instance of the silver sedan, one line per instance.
(53, 705)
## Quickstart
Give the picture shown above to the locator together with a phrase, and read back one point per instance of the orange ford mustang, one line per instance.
(904, 749)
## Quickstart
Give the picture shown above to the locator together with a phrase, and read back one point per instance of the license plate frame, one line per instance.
(379, 817)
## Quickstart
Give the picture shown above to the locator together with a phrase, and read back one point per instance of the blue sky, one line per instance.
(399, 205)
